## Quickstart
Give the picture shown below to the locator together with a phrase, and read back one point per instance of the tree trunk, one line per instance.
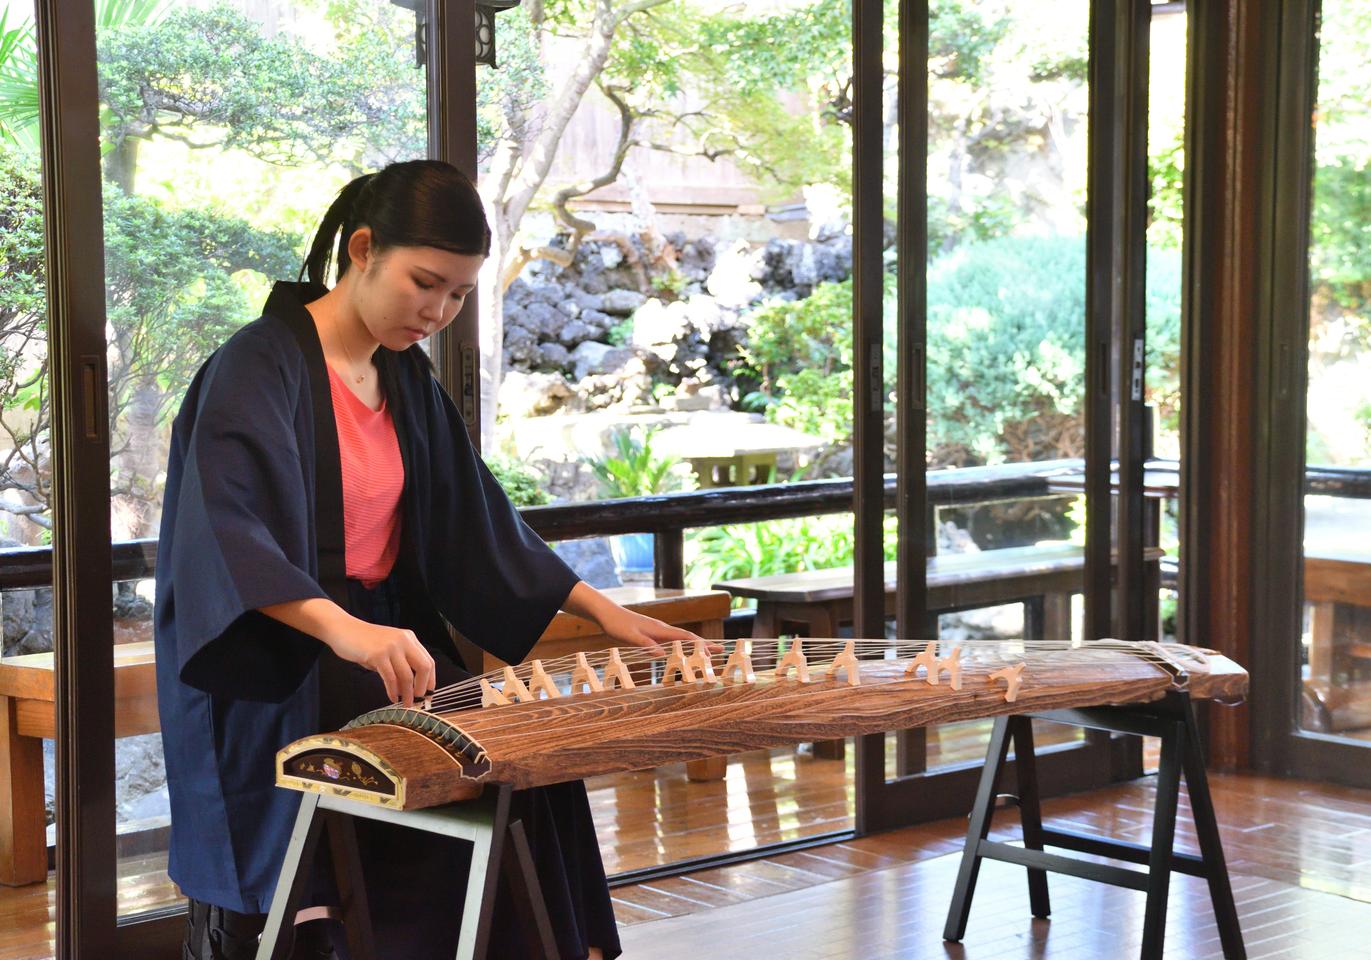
(139, 463)
(515, 179)
(121, 164)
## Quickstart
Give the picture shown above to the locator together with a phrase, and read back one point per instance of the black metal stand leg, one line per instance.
(1211, 847)
(352, 891)
(521, 878)
(977, 831)
(1030, 812)
(1163, 840)
(278, 935)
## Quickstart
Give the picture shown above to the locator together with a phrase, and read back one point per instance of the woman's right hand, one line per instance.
(403, 664)
(395, 654)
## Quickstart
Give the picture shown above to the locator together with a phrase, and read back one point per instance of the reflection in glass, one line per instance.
(1008, 123)
(1336, 643)
(25, 479)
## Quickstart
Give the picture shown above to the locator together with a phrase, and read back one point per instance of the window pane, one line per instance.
(227, 131)
(1336, 675)
(676, 315)
(27, 827)
(1008, 122)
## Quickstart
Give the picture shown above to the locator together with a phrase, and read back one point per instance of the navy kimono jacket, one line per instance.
(253, 517)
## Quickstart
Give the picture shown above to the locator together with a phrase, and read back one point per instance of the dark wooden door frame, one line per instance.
(1284, 195)
(82, 614)
(452, 137)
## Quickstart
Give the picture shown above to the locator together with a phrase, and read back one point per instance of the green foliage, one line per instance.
(1340, 231)
(22, 290)
(507, 97)
(1166, 168)
(18, 83)
(171, 296)
(962, 39)
(521, 483)
(789, 545)
(171, 283)
(1006, 362)
(1006, 320)
(801, 353)
(634, 469)
(621, 333)
(214, 73)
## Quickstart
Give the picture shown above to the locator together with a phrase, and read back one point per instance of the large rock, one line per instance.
(597, 321)
(610, 255)
(591, 560)
(544, 319)
(797, 267)
(547, 291)
(731, 280)
(575, 331)
(697, 258)
(27, 616)
(587, 300)
(625, 384)
(621, 303)
(594, 359)
(657, 324)
(552, 356)
(521, 344)
(533, 394)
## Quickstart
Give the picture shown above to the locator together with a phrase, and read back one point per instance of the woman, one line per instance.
(325, 519)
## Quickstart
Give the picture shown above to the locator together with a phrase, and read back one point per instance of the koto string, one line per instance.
(488, 732)
(639, 656)
(658, 696)
(468, 692)
(488, 735)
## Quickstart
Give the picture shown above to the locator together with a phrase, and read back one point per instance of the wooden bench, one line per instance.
(28, 710)
(1332, 578)
(816, 602)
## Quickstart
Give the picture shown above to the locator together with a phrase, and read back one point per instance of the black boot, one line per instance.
(215, 933)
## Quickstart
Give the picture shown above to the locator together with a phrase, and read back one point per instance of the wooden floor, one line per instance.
(1299, 855)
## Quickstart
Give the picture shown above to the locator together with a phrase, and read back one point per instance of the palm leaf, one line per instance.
(18, 83)
(124, 13)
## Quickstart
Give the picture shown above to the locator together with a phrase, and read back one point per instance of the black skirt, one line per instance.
(416, 881)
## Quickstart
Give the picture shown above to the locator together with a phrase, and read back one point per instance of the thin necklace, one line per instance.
(352, 364)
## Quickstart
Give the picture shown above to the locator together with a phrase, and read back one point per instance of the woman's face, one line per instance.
(405, 294)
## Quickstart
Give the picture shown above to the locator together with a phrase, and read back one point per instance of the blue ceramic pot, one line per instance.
(632, 552)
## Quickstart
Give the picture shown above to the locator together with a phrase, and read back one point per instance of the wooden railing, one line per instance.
(667, 516)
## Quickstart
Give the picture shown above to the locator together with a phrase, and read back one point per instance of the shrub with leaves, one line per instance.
(521, 483)
(634, 469)
(790, 545)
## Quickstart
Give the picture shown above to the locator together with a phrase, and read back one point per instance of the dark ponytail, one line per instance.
(418, 203)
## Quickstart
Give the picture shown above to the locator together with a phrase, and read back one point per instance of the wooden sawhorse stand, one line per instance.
(499, 848)
(1173, 720)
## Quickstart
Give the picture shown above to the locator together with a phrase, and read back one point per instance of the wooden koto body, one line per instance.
(411, 759)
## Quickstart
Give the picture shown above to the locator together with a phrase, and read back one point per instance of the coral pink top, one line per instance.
(373, 480)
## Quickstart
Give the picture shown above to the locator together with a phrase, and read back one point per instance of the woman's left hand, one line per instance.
(623, 626)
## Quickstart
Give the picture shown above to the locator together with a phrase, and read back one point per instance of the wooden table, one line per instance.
(28, 711)
(819, 601)
(28, 715)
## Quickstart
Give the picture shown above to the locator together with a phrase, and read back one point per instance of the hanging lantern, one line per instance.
(485, 28)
